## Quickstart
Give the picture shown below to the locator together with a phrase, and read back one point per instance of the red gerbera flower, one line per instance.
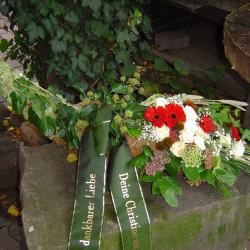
(157, 116)
(206, 124)
(175, 113)
(235, 133)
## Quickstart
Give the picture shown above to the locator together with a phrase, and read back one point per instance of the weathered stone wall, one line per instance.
(203, 220)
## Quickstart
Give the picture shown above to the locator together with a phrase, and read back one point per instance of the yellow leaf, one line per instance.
(5, 123)
(11, 128)
(14, 211)
(72, 158)
(10, 108)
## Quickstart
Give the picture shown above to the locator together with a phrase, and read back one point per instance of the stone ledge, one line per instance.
(203, 220)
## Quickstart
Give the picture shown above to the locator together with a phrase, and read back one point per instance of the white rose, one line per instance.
(191, 125)
(199, 141)
(238, 149)
(162, 132)
(177, 148)
(190, 113)
(187, 135)
(226, 140)
(161, 101)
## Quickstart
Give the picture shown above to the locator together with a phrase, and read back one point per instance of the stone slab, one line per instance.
(203, 220)
(9, 169)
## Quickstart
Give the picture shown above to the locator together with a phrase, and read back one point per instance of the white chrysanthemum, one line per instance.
(187, 135)
(238, 149)
(177, 148)
(162, 133)
(226, 140)
(190, 113)
(161, 102)
(200, 142)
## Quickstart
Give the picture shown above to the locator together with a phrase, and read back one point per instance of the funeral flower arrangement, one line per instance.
(166, 135)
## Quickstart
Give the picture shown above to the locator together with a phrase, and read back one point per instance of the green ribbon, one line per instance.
(90, 187)
(128, 200)
(89, 202)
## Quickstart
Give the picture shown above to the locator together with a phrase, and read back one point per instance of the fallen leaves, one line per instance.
(14, 211)
(72, 158)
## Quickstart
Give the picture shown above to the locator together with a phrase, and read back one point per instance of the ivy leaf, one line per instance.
(60, 32)
(215, 73)
(23, 18)
(147, 23)
(161, 65)
(122, 35)
(119, 89)
(41, 7)
(86, 111)
(49, 27)
(121, 55)
(192, 173)
(99, 29)
(181, 69)
(132, 26)
(18, 101)
(207, 91)
(83, 62)
(94, 5)
(72, 17)
(4, 44)
(128, 70)
(35, 31)
(122, 16)
(47, 126)
(57, 45)
(57, 8)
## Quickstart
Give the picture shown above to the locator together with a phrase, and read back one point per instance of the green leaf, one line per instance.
(33, 118)
(226, 193)
(58, 8)
(72, 17)
(161, 65)
(169, 195)
(171, 183)
(122, 35)
(122, 16)
(86, 111)
(215, 73)
(35, 31)
(51, 67)
(18, 101)
(147, 23)
(156, 186)
(221, 117)
(60, 32)
(192, 173)
(134, 132)
(99, 29)
(147, 151)
(47, 126)
(41, 7)
(49, 27)
(23, 18)
(133, 28)
(128, 70)
(181, 69)
(150, 178)
(225, 176)
(205, 90)
(119, 89)
(38, 106)
(208, 175)
(173, 166)
(121, 55)
(58, 46)
(245, 134)
(4, 44)
(136, 161)
(95, 5)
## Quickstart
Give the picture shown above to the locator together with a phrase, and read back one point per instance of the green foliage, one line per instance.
(78, 40)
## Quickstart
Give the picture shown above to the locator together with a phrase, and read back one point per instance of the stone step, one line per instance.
(203, 220)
